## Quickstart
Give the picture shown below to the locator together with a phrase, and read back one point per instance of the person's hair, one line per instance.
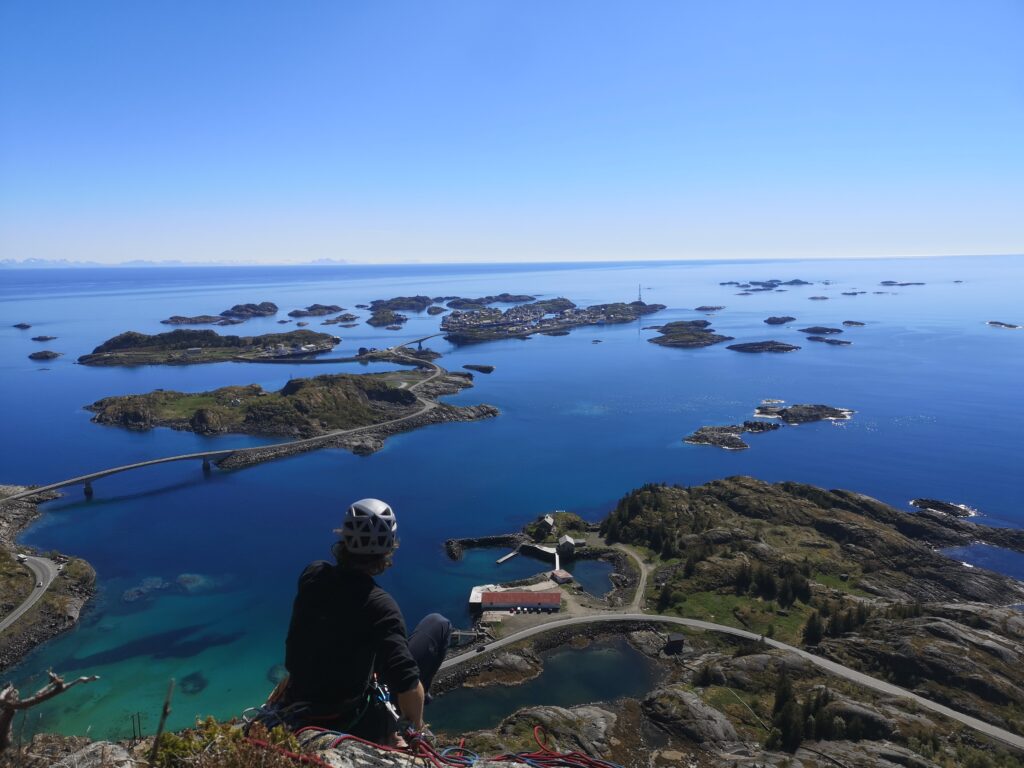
(373, 565)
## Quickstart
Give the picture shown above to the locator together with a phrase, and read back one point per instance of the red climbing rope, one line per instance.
(450, 757)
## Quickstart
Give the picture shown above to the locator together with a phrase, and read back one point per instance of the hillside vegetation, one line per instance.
(859, 580)
(303, 407)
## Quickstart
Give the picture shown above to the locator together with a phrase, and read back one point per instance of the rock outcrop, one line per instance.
(686, 715)
(763, 346)
(687, 334)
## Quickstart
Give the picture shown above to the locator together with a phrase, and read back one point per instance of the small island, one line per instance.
(780, 320)
(45, 354)
(22, 326)
(43, 338)
(386, 318)
(763, 346)
(999, 324)
(246, 311)
(853, 323)
(818, 298)
(707, 308)
(687, 334)
(820, 330)
(765, 285)
(483, 301)
(801, 413)
(479, 368)
(188, 347)
(233, 316)
(435, 310)
(200, 320)
(342, 319)
(402, 303)
(331, 406)
(728, 436)
(891, 283)
(547, 316)
(316, 310)
(830, 340)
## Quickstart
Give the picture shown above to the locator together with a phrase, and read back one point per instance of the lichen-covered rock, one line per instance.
(683, 713)
(101, 754)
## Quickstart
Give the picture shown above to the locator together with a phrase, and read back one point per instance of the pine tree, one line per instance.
(813, 629)
(783, 691)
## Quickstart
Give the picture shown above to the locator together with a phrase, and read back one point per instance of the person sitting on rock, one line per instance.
(347, 635)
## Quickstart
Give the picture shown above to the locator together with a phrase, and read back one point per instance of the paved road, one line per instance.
(1005, 737)
(427, 405)
(43, 572)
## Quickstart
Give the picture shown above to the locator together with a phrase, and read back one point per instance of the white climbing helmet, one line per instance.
(369, 528)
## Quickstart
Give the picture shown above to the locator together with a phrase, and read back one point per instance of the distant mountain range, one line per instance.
(67, 264)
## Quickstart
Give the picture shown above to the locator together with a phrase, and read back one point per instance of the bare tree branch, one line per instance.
(10, 702)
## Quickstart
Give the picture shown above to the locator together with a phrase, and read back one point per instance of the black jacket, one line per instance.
(343, 627)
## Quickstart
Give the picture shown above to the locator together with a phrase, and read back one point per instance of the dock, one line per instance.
(506, 558)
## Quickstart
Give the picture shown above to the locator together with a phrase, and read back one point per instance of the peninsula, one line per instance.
(548, 316)
(188, 347)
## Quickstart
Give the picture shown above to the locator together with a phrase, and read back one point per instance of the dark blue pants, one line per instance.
(428, 644)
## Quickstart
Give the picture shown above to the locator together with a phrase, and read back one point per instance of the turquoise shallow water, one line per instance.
(935, 392)
(571, 676)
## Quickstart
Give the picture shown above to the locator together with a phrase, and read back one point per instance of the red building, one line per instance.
(521, 599)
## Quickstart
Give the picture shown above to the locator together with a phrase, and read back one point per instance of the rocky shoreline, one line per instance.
(455, 548)
(368, 440)
(74, 587)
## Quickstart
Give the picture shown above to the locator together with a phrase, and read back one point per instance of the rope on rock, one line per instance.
(446, 757)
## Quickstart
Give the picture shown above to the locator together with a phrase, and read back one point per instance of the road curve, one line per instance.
(641, 585)
(427, 405)
(838, 670)
(44, 571)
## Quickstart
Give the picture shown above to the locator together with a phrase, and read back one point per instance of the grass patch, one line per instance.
(744, 612)
(834, 582)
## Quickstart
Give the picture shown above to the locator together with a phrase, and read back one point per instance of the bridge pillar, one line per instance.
(87, 489)
(206, 465)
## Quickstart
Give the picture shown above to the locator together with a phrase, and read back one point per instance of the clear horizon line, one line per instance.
(172, 263)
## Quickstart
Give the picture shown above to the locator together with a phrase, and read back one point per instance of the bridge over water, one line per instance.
(207, 456)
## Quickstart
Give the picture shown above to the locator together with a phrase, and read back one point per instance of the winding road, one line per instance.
(838, 670)
(43, 573)
(220, 454)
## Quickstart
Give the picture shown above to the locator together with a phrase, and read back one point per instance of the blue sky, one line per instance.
(382, 131)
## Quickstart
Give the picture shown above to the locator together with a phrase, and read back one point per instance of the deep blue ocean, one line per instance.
(936, 392)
